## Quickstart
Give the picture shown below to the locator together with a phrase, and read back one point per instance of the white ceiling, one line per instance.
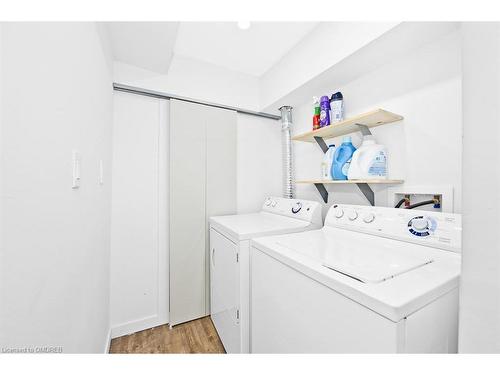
(251, 51)
(150, 45)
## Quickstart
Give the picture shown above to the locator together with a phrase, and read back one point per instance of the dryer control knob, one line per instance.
(339, 212)
(352, 215)
(267, 202)
(368, 218)
(296, 207)
(273, 203)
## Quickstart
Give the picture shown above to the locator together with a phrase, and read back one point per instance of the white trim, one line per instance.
(107, 344)
(136, 326)
(163, 228)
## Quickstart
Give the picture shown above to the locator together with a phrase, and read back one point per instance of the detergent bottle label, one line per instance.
(379, 165)
(345, 167)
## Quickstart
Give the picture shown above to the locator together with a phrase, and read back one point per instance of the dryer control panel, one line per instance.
(435, 229)
(309, 211)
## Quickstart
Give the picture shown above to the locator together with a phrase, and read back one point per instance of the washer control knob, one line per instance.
(296, 207)
(352, 215)
(273, 203)
(369, 217)
(267, 202)
(339, 212)
(420, 224)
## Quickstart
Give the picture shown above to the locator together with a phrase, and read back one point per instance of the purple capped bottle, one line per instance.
(324, 114)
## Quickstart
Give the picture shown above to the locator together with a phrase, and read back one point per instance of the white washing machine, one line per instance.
(372, 280)
(229, 261)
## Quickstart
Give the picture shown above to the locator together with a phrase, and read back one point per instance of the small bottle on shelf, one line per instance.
(316, 113)
(324, 116)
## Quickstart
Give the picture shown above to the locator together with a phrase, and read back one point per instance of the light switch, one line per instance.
(76, 161)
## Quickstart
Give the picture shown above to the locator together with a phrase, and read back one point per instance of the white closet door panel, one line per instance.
(139, 237)
(221, 161)
(221, 170)
(187, 212)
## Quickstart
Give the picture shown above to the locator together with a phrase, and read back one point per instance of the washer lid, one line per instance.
(374, 265)
(363, 257)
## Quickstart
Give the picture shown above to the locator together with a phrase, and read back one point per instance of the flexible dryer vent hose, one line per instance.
(286, 139)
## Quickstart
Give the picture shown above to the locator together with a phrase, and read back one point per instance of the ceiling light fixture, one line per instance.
(244, 25)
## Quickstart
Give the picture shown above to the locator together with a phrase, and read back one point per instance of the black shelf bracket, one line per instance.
(363, 187)
(367, 192)
(321, 143)
(365, 130)
(322, 191)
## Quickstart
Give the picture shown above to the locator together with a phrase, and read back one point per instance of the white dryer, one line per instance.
(372, 280)
(229, 261)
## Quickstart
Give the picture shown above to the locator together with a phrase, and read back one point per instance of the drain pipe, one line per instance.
(286, 139)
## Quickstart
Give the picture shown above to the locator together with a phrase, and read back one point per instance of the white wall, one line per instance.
(480, 282)
(54, 241)
(323, 47)
(424, 148)
(197, 80)
(259, 161)
(107, 50)
(139, 221)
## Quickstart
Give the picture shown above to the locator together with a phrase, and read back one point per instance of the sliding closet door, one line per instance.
(139, 223)
(221, 173)
(202, 183)
(187, 211)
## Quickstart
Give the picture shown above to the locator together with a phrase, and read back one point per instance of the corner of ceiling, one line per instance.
(173, 30)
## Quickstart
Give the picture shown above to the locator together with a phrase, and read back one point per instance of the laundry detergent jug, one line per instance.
(326, 164)
(369, 162)
(342, 159)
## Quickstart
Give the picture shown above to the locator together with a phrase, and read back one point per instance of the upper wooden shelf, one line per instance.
(370, 119)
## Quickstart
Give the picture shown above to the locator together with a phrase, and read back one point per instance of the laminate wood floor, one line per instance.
(197, 336)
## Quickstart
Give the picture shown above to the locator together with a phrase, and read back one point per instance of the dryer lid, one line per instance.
(244, 227)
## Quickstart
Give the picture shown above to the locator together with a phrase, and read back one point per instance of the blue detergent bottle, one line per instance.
(342, 159)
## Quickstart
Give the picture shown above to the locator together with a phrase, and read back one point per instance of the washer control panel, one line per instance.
(297, 208)
(435, 229)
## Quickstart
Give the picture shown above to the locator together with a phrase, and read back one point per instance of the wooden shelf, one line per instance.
(370, 119)
(393, 182)
(363, 185)
(359, 123)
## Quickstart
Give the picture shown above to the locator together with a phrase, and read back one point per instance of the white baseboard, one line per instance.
(107, 344)
(136, 326)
